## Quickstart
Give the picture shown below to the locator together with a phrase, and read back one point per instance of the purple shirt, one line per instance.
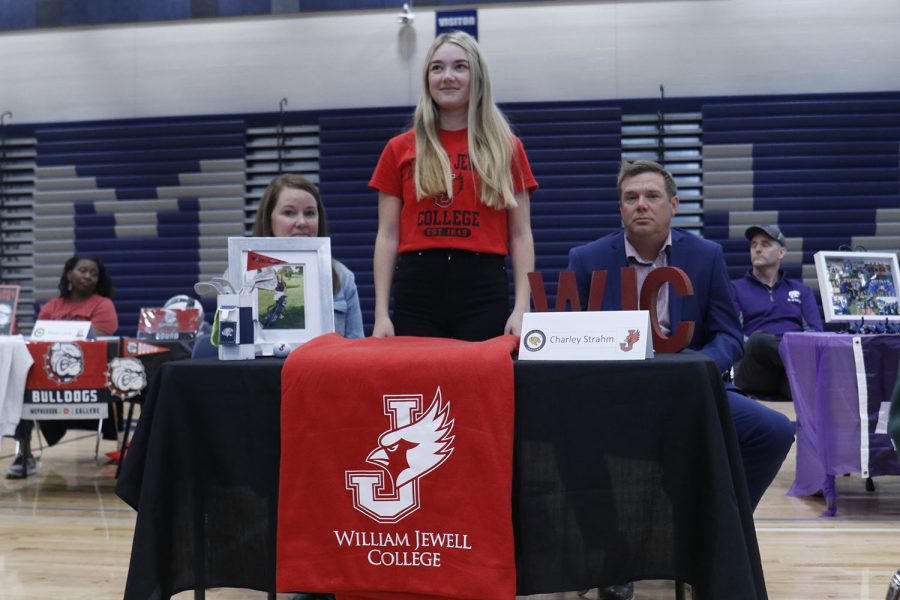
(787, 306)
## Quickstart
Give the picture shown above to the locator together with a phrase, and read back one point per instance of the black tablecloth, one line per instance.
(623, 471)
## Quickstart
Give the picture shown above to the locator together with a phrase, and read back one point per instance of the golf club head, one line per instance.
(224, 283)
(208, 288)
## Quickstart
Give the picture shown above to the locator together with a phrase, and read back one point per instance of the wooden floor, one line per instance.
(65, 534)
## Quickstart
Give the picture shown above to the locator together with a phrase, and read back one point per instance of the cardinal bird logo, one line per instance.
(630, 340)
(417, 443)
(422, 446)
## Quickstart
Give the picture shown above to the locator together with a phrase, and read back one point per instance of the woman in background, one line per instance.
(291, 206)
(453, 201)
(85, 294)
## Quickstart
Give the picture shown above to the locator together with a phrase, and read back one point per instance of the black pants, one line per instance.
(450, 293)
(761, 370)
(52, 430)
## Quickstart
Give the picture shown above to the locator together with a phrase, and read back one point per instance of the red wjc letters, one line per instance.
(567, 294)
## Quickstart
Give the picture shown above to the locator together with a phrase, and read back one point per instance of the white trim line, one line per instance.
(891, 530)
(862, 395)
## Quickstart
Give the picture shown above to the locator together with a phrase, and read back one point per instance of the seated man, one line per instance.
(770, 305)
(648, 199)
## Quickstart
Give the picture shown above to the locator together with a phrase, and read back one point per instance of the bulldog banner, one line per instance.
(396, 469)
(68, 380)
(140, 362)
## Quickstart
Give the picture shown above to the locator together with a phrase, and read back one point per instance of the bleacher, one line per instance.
(153, 201)
(156, 199)
(826, 170)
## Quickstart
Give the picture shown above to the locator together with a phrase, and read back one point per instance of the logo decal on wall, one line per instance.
(416, 443)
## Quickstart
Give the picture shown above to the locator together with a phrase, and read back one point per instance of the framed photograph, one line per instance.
(291, 281)
(858, 285)
(9, 298)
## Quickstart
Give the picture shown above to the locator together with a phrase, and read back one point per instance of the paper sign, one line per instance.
(446, 21)
(589, 335)
(166, 324)
(60, 331)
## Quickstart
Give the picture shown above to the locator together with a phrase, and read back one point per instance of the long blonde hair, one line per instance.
(491, 147)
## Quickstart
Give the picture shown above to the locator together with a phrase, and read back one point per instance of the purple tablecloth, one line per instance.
(839, 381)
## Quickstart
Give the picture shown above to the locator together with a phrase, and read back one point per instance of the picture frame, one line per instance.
(291, 279)
(858, 285)
(9, 300)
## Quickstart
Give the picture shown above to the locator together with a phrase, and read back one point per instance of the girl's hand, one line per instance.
(514, 323)
(383, 327)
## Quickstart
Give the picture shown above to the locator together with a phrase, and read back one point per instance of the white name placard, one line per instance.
(589, 335)
(60, 331)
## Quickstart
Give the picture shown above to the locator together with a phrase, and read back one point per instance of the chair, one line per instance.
(203, 348)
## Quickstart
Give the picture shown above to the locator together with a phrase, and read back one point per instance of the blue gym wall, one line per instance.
(149, 143)
(156, 198)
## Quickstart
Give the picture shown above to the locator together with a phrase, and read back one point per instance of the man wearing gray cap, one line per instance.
(770, 305)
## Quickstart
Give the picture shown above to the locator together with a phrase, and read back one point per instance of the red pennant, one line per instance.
(132, 348)
(256, 261)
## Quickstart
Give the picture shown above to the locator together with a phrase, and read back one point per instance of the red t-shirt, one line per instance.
(462, 221)
(97, 309)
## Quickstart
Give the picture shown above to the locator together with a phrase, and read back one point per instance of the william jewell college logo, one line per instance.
(633, 337)
(416, 443)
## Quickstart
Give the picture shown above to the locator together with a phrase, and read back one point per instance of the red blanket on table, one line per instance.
(396, 469)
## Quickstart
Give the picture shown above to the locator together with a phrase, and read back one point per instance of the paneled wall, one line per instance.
(73, 13)
(796, 104)
(827, 170)
(537, 52)
(156, 199)
(155, 203)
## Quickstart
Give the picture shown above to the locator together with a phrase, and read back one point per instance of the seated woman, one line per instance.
(291, 206)
(85, 294)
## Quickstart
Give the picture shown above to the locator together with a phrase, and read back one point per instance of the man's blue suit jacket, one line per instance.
(717, 331)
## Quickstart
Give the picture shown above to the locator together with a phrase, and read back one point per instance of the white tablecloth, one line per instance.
(15, 360)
